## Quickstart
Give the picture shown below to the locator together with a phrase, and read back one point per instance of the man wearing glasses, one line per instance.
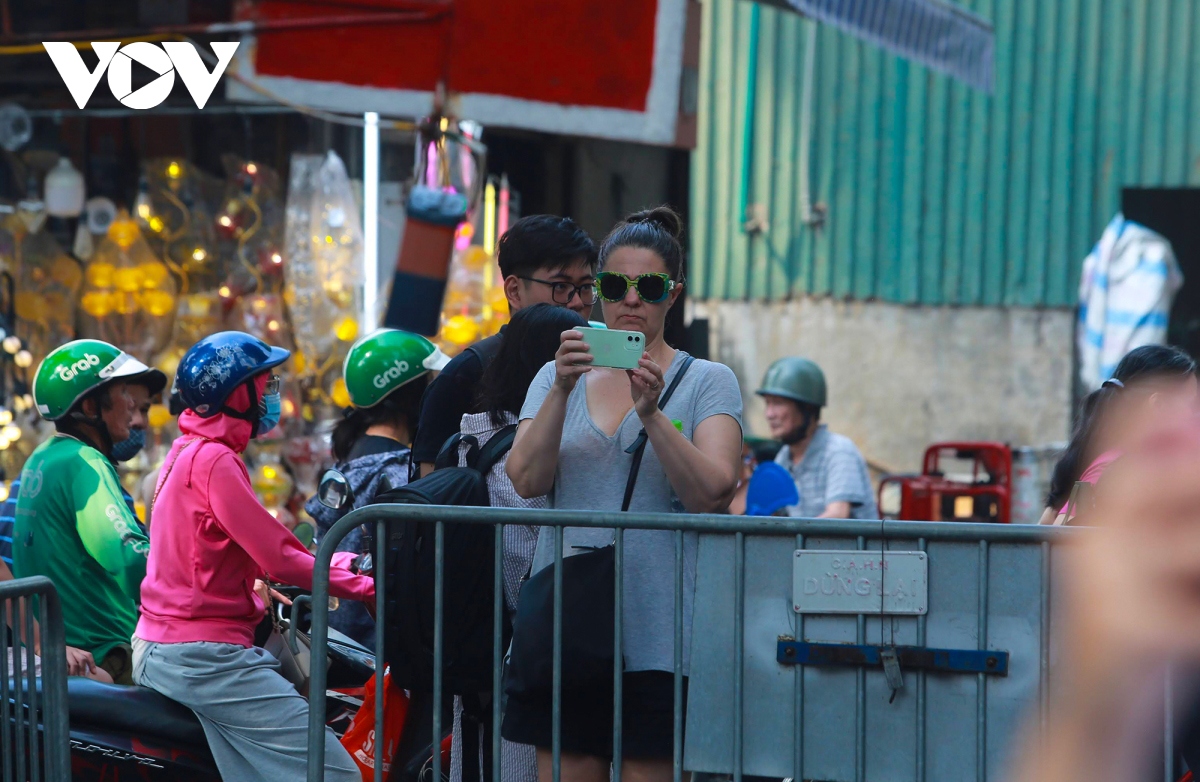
(543, 259)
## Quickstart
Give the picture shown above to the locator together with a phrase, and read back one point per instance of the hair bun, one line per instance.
(663, 216)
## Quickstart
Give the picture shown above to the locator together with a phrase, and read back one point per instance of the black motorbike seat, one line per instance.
(139, 711)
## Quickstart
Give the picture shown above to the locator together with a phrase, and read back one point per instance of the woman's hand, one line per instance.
(266, 594)
(572, 361)
(645, 386)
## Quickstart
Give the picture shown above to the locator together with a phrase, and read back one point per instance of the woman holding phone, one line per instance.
(577, 423)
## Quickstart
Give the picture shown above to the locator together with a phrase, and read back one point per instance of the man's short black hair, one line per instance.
(544, 241)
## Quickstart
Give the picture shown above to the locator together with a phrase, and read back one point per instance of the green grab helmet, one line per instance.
(73, 370)
(798, 379)
(382, 361)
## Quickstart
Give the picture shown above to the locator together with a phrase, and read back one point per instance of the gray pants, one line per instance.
(255, 721)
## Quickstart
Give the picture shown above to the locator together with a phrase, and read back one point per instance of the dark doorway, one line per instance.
(1174, 213)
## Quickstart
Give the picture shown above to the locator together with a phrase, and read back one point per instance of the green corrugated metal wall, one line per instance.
(938, 194)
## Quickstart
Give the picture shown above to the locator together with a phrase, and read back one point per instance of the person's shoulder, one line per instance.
(708, 371)
(86, 455)
(841, 444)
(462, 368)
(469, 363)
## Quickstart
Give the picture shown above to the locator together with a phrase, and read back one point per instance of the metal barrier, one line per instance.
(843, 675)
(34, 727)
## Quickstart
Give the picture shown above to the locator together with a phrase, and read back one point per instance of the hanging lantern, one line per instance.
(47, 287)
(322, 253)
(64, 190)
(128, 293)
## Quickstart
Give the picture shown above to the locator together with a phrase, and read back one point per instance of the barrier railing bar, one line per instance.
(756, 526)
(860, 685)
(46, 753)
(1044, 656)
(798, 696)
(981, 679)
(56, 741)
(380, 566)
(1168, 730)
(439, 598)
(18, 690)
(556, 686)
(6, 748)
(739, 650)
(385, 514)
(921, 705)
(678, 739)
(499, 602)
(35, 758)
(618, 648)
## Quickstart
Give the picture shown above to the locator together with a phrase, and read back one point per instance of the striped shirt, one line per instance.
(8, 517)
(831, 470)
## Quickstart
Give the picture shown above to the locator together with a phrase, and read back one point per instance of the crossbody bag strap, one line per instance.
(639, 444)
(162, 478)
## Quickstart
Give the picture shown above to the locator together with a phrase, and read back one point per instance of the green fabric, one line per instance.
(73, 526)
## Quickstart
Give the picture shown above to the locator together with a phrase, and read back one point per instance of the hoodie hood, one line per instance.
(225, 429)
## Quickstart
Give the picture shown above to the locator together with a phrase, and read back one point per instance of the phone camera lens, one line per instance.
(630, 338)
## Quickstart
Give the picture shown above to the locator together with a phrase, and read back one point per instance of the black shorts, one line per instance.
(648, 718)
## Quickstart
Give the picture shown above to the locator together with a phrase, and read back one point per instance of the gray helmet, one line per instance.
(798, 379)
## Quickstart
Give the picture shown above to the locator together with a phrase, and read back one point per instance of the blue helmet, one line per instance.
(216, 365)
(771, 490)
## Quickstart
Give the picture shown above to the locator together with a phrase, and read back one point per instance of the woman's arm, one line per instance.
(276, 550)
(533, 460)
(703, 471)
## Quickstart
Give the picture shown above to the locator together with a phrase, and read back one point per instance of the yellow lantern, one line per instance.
(128, 295)
(346, 329)
(158, 416)
(100, 275)
(339, 393)
(460, 330)
(126, 280)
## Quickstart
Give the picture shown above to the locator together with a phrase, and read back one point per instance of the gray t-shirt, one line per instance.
(831, 470)
(592, 471)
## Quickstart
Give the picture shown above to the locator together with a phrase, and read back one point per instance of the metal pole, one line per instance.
(380, 563)
(439, 598)
(556, 681)
(618, 651)
(370, 220)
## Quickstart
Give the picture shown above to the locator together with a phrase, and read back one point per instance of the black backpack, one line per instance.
(469, 554)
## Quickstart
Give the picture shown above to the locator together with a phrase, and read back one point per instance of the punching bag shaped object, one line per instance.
(424, 262)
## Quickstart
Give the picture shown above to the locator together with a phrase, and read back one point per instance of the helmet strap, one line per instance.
(801, 432)
(77, 418)
(253, 413)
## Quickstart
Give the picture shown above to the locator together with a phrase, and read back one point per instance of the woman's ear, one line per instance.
(676, 292)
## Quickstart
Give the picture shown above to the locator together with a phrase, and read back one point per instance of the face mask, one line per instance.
(271, 408)
(130, 446)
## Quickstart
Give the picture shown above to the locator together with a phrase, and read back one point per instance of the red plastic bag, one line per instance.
(361, 741)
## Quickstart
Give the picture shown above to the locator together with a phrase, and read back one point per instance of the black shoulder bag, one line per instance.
(588, 606)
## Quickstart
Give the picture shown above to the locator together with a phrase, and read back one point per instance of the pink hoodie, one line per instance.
(212, 538)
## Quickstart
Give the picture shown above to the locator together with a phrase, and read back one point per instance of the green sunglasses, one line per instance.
(651, 287)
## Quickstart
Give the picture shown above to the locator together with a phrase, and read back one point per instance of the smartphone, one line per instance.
(614, 348)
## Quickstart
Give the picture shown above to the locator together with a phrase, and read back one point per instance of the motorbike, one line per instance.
(134, 733)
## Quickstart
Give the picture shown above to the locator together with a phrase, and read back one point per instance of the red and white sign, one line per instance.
(606, 68)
